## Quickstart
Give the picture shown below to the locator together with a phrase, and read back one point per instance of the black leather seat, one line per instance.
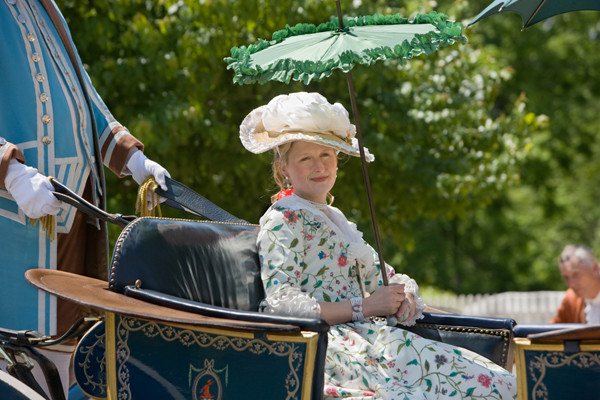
(208, 262)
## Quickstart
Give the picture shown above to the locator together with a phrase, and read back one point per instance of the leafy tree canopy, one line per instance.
(484, 151)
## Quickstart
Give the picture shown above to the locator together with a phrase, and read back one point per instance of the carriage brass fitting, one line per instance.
(138, 284)
(9, 361)
(26, 360)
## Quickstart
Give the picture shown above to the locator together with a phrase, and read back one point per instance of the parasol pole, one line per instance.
(363, 158)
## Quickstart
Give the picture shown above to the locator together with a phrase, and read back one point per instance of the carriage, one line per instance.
(179, 318)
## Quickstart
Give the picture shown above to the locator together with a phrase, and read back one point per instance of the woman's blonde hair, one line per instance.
(280, 156)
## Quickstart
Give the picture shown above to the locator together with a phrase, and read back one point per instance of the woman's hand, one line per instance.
(386, 300)
(407, 309)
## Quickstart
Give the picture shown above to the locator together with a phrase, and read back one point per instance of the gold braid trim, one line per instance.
(48, 224)
(147, 189)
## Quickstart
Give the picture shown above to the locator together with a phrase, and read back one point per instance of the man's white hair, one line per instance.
(583, 253)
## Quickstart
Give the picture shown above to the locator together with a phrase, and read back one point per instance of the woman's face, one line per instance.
(311, 169)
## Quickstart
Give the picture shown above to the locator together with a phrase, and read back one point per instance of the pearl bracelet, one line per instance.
(357, 310)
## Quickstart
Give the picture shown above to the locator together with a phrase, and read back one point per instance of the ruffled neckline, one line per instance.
(335, 218)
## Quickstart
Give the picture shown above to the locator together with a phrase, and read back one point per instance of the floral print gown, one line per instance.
(312, 251)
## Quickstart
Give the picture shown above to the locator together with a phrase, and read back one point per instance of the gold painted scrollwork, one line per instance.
(188, 337)
(94, 381)
(538, 366)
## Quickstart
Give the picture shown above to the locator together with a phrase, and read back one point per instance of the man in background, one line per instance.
(579, 269)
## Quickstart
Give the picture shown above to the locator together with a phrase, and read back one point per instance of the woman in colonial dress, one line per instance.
(314, 262)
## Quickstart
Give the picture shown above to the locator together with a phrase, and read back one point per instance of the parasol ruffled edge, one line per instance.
(449, 32)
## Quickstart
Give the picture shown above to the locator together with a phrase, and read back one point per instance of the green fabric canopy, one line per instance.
(307, 52)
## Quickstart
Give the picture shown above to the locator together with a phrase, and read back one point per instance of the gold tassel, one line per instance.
(48, 224)
(148, 188)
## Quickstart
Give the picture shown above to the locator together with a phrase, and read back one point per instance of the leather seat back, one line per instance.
(209, 262)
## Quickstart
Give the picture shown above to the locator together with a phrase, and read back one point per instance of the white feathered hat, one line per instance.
(300, 116)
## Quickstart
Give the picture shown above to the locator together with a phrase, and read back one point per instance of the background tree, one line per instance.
(522, 231)
(470, 179)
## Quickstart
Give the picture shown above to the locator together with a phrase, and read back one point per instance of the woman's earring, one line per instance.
(288, 191)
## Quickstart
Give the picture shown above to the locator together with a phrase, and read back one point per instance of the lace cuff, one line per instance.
(410, 286)
(291, 301)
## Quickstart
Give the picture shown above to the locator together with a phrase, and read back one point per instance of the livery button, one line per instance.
(46, 119)
(40, 78)
(30, 36)
(46, 140)
(2, 141)
(35, 57)
(22, 19)
(43, 97)
(12, 2)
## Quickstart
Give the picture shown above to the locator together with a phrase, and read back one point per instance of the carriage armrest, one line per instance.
(524, 330)
(491, 337)
(468, 320)
(179, 303)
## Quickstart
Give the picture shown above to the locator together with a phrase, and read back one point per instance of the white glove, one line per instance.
(31, 190)
(141, 168)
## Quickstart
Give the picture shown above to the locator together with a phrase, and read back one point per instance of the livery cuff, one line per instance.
(8, 151)
(120, 142)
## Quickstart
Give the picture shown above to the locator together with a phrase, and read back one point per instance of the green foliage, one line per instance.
(513, 244)
(475, 188)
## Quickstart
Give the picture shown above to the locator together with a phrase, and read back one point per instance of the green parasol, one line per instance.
(534, 11)
(307, 52)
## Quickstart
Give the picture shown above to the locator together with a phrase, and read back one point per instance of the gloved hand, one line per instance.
(31, 190)
(141, 168)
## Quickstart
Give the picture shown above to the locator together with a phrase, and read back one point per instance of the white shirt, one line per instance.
(592, 310)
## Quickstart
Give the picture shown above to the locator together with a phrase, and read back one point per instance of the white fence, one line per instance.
(523, 307)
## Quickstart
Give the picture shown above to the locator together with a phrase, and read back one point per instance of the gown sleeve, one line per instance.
(281, 251)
